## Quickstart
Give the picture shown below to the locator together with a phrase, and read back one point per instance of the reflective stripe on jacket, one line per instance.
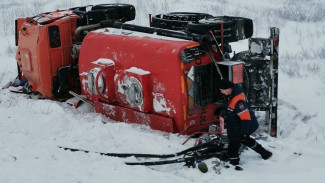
(240, 119)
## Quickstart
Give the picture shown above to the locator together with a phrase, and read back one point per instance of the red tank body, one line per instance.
(122, 58)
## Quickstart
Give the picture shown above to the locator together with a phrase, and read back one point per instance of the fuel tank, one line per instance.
(141, 78)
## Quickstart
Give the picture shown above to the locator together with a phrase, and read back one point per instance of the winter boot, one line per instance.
(234, 160)
(233, 154)
(263, 152)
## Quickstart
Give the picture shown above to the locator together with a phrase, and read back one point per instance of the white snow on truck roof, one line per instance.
(104, 61)
(137, 71)
(124, 32)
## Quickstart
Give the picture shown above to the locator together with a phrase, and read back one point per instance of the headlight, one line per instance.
(133, 91)
(92, 74)
(191, 54)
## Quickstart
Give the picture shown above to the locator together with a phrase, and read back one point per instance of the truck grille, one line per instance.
(205, 79)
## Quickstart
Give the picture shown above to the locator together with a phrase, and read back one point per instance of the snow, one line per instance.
(159, 103)
(104, 61)
(115, 31)
(229, 63)
(137, 71)
(31, 130)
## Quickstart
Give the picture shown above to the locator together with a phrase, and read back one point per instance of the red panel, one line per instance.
(25, 60)
(123, 114)
(108, 72)
(201, 121)
(109, 77)
(144, 79)
(238, 73)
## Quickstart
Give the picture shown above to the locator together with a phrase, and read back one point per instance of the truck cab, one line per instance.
(44, 43)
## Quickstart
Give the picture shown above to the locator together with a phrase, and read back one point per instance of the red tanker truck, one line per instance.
(163, 76)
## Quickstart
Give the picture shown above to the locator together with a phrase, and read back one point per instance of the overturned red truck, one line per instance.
(163, 76)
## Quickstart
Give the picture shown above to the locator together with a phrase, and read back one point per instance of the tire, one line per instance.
(121, 12)
(98, 13)
(177, 20)
(234, 28)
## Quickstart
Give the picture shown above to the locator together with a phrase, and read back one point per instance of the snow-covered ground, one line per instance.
(31, 130)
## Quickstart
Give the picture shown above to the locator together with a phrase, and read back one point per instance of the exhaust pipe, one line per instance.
(151, 30)
(81, 29)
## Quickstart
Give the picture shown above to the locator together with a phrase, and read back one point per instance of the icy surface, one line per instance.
(31, 130)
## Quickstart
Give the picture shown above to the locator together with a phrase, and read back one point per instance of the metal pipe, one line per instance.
(151, 30)
(79, 30)
(81, 98)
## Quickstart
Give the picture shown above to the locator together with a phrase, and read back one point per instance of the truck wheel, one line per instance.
(234, 28)
(98, 13)
(177, 20)
(124, 12)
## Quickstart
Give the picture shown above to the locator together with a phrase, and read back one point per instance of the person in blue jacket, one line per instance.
(240, 121)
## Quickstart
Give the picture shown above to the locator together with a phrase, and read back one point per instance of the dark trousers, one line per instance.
(234, 145)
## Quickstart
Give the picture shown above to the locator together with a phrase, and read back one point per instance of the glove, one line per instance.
(219, 112)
